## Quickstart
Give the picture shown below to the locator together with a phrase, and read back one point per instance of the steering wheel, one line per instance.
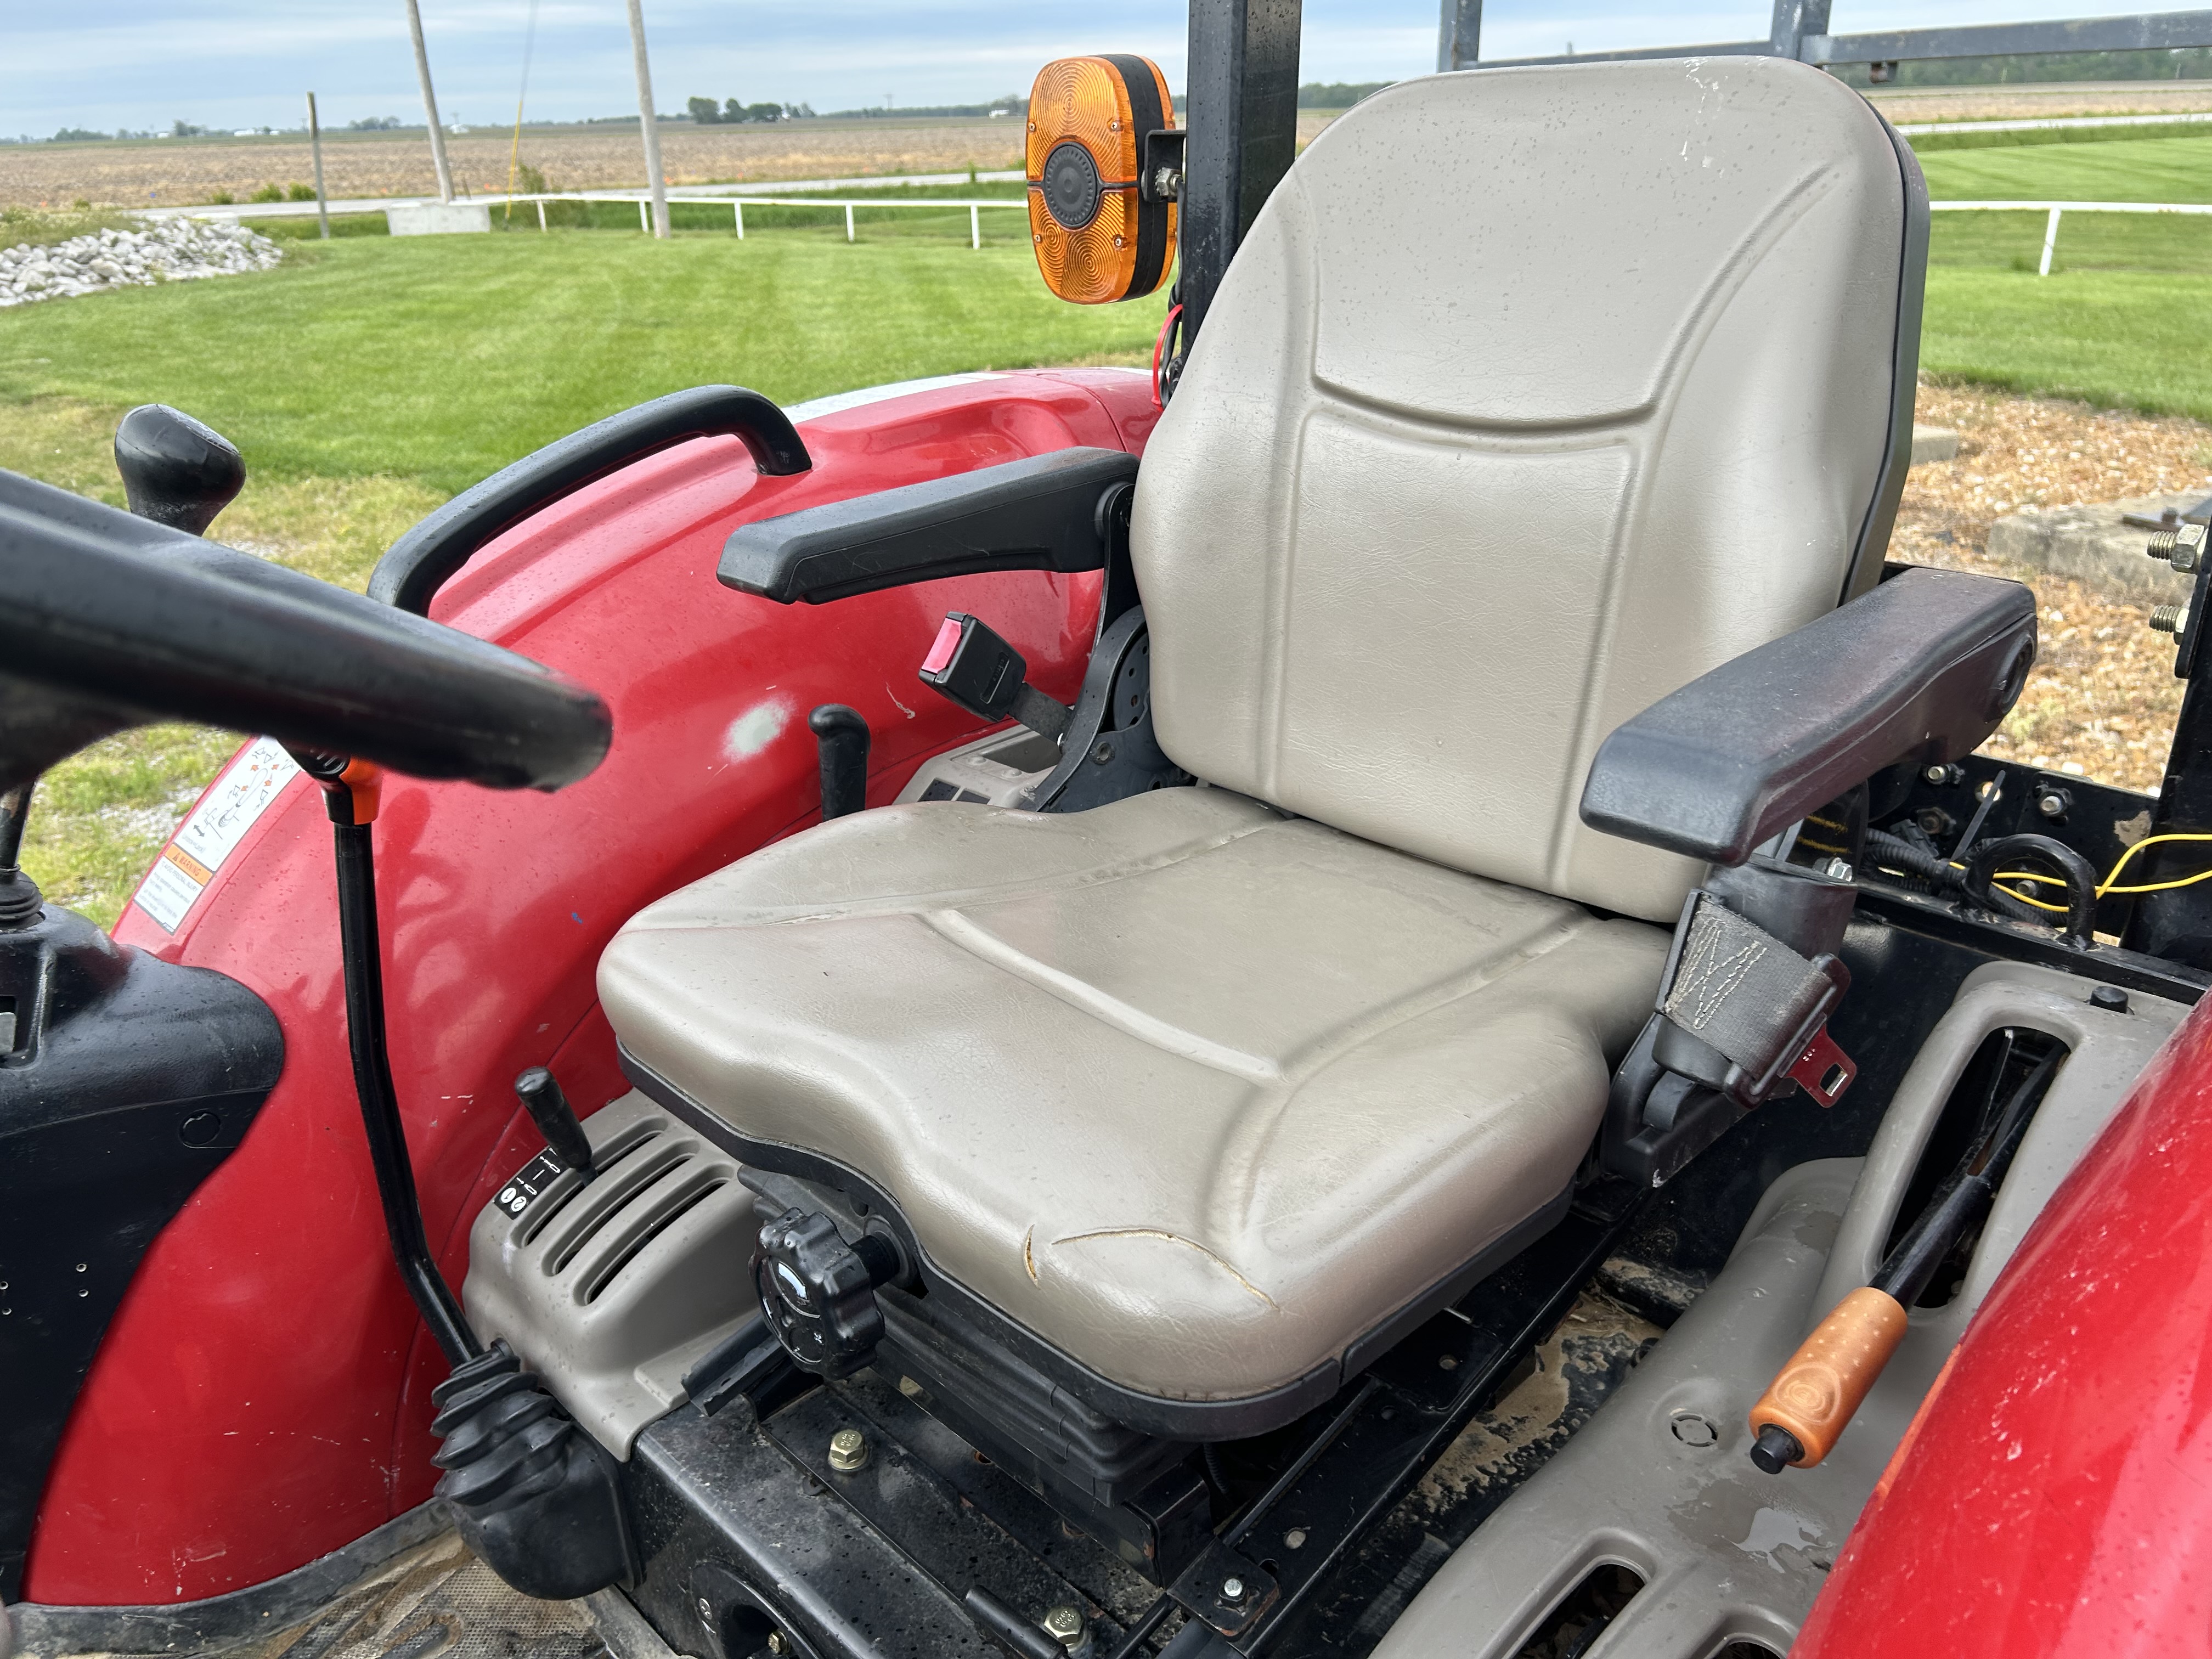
(109, 621)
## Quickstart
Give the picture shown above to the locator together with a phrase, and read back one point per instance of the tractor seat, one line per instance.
(1180, 1066)
(1531, 396)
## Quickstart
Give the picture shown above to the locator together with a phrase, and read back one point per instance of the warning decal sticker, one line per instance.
(213, 831)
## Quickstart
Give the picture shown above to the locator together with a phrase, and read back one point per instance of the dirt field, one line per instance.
(2032, 103)
(182, 174)
(2103, 699)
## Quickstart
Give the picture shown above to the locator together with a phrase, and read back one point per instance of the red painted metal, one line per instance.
(2054, 1495)
(261, 1397)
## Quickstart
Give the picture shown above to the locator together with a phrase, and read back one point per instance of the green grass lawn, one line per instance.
(2122, 317)
(369, 378)
(442, 358)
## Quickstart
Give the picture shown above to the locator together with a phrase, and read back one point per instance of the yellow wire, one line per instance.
(2109, 884)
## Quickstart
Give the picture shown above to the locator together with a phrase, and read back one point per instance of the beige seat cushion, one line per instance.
(1194, 1092)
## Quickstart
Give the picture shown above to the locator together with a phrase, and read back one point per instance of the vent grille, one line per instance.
(654, 1214)
(597, 1206)
(548, 1210)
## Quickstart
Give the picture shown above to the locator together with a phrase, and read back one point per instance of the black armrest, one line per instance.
(1039, 513)
(1922, 668)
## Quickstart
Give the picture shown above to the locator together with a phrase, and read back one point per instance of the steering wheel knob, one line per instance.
(176, 470)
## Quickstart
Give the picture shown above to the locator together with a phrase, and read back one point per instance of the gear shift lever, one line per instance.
(556, 1118)
(176, 470)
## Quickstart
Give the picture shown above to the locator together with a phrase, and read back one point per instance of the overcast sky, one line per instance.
(145, 63)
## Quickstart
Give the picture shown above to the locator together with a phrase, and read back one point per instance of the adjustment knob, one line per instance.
(819, 1292)
(176, 470)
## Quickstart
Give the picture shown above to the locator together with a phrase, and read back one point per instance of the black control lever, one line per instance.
(20, 901)
(556, 1118)
(971, 663)
(176, 470)
(841, 741)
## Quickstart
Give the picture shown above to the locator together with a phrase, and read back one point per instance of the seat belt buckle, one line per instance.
(971, 663)
(1824, 1070)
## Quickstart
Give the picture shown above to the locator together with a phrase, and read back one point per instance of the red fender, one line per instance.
(261, 1397)
(2054, 1494)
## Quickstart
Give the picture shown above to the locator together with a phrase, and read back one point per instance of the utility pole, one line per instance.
(430, 104)
(654, 182)
(315, 138)
(1459, 35)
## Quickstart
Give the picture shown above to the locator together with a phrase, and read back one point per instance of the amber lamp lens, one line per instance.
(1097, 239)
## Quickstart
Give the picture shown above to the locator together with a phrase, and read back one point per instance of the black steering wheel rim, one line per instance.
(107, 620)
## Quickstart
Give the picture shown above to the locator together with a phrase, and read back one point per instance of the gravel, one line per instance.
(2102, 701)
(175, 250)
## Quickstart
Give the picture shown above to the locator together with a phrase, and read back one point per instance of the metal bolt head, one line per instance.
(1937, 774)
(2053, 802)
(1232, 1590)
(1065, 1625)
(706, 1610)
(777, 1643)
(848, 1451)
(1103, 753)
(1839, 868)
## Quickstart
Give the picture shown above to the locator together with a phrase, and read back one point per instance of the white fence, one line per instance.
(2053, 211)
(738, 205)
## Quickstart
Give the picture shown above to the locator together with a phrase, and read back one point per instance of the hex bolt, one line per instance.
(777, 1643)
(2182, 547)
(2054, 803)
(1066, 1625)
(1840, 869)
(1938, 774)
(1232, 1590)
(848, 1451)
(2170, 618)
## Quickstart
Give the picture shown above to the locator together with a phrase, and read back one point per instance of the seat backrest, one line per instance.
(1533, 395)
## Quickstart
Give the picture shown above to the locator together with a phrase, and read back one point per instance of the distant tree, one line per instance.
(77, 135)
(705, 111)
(799, 112)
(185, 129)
(733, 111)
(375, 124)
(763, 112)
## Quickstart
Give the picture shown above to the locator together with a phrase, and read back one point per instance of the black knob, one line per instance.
(1776, 1449)
(819, 1292)
(556, 1118)
(176, 470)
(841, 741)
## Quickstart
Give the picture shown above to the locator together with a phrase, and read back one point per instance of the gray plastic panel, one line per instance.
(612, 1289)
(1726, 1553)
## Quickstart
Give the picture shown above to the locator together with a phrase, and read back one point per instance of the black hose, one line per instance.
(379, 1102)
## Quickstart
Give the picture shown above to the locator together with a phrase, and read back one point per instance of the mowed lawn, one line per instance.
(370, 377)
(442, 358)
(2123, 318)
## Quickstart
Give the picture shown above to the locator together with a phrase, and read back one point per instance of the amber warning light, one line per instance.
(1104, 166)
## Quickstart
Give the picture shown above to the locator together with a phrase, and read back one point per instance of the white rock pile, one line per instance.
(168, 251)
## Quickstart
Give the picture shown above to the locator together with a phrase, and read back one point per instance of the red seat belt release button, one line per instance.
(1824, 1070)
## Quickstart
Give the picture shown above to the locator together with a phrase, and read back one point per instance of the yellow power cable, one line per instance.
(2109, 884)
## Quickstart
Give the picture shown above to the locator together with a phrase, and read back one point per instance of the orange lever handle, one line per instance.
(1815, 1395)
